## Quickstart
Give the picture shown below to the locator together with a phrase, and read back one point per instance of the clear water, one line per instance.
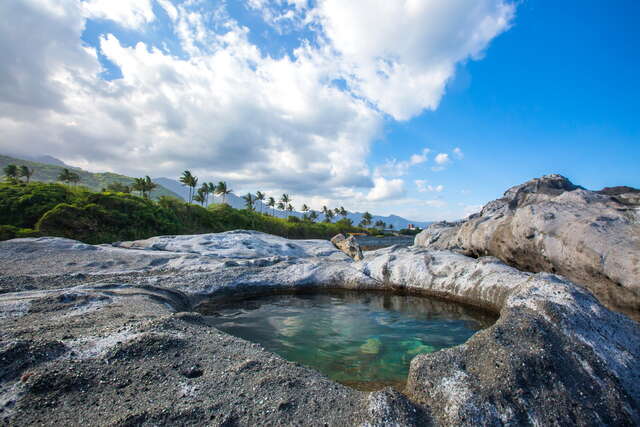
(362, 339)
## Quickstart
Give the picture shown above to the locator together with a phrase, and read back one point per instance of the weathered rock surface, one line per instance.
(106, 335)
(348, 245)
(551, 225)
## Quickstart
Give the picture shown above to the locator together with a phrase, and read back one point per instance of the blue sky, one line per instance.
(418, 109)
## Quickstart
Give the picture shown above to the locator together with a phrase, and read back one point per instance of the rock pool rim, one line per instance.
(242, 293)
(482, 320)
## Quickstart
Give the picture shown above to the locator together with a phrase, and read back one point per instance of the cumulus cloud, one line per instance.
(400, 54)
(385, 189)
(222, 107)
(128, 13)
(458, 153)
(423, 187)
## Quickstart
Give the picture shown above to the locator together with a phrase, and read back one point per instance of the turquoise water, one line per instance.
(362, 339)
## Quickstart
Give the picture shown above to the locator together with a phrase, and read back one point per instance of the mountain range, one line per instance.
(47, 169)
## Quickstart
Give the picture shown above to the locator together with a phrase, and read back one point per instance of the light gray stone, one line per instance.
(550, 225)
(106, 335)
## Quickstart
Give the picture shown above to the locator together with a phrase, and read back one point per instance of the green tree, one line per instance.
(328, 215)
(313, 216)
(11, 173)
(118, 187)
(260, 196)
(67, 176)
(272, 204)
(211, 188)
(249, 201)
(379, 224)
(281, 206)
(285, 200)
(223, 190)
(343, 212)
(204, 193)
(187, 179)
(290, 208)
(366, 219)
(25, 172)
(199, 197)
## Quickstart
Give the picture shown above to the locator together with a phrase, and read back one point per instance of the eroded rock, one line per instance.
(550, 225)
(138, 356)
(348, 245)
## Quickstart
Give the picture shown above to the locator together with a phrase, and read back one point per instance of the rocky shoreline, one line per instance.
(551, 225)
(106, 335)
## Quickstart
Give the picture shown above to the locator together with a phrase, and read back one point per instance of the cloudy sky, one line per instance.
(421, 108)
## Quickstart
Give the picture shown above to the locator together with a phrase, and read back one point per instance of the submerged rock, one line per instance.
(349, 246)
(120, 345)
(550, 225)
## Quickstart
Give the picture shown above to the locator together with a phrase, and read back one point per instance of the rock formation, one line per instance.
(348, 245)
(550, 225)
(107, 335)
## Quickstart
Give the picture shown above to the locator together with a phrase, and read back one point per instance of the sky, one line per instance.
(421, 108)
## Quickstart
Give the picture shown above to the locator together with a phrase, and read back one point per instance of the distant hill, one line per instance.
(238, 203)
(48, 172)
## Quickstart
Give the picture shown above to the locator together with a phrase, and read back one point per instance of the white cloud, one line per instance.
(128, 13)
(400, 54)
(423, 187)
(442, 159)
(385, 189)
(393, 167)
(458, 153)
(222, 107)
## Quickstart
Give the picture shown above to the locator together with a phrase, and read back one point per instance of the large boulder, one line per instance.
(106, 335)
(550, 225)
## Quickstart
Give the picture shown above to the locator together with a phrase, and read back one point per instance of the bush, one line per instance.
(76, 213)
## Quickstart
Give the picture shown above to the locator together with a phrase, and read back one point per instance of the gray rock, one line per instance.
(550, 225)
(122, 344)
(349, 246)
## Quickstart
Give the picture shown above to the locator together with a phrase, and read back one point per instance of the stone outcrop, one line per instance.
(107, 335)
(551, 225)
(349, 246)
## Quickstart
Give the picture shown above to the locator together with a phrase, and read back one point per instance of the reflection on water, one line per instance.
(363, 339)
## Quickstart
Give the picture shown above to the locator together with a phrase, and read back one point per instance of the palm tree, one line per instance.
(204, 192)
(149, 186)
(199, 197)
(336, 211)
(313, 216)
(325, 210)
(305, 209)
(328, 215)
(281, 206)
(379, 224)
(222, 190)
(290, 208)
(285, 199)
(11, 173)
(25, 172)
(138, 185)
(272, 204)
(343, 212)
(211, 189)
(366, 219)
(249, 201)
(67, 176)
(260, 196)
(187, 179)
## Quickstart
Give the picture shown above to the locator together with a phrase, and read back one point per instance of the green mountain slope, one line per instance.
(95, 181)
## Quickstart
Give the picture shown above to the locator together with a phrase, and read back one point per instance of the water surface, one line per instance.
(362, 339)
